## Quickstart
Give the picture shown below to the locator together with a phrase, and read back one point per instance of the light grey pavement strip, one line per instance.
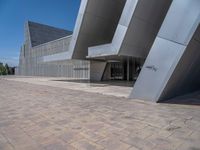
(105, 89)
(38, 117)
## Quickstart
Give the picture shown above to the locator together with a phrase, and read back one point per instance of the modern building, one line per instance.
(154, 43)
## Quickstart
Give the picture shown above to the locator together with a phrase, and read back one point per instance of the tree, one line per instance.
(7, 69)
(2, 70)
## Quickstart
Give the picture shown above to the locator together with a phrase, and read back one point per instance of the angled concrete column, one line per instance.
(96, 70)
(128, 69)
(172, 55)
(136, 31)
(96, 24)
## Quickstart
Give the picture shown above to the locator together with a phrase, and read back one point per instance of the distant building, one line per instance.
(114, 40)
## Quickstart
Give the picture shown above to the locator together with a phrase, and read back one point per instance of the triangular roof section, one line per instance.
(40, 33)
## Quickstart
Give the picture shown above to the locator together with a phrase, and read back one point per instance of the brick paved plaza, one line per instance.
(42, 117)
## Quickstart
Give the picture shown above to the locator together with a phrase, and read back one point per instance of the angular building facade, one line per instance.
(42, 40)
(153, 43)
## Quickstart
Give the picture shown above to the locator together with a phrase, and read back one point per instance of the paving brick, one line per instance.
(34, 116)
(114, 143)
(86, 145)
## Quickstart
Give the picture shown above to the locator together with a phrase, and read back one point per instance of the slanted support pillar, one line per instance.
(170, 45)
(128, 69)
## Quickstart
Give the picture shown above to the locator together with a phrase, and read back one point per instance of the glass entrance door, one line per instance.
(117, 71)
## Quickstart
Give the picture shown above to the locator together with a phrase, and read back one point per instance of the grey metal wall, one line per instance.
(186, 76)
(30, 63)
(96, 24)
(40, 33)
(72, 69)
(137, 29)
(143, 27)
(171, 53)
(96, 70)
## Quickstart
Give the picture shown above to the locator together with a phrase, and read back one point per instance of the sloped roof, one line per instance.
(40, 33)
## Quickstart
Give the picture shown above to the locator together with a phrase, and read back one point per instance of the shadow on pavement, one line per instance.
(102, 83)
(189, 99)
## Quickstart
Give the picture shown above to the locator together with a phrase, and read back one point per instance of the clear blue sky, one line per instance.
(14, 13)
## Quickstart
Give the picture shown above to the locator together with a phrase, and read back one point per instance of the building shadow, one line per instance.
(188, 99)
(102, 83)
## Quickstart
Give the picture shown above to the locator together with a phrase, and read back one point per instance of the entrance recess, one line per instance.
(126, 69)
(116, 69)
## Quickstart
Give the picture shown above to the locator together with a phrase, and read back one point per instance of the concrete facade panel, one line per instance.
(97, 24)
(185, 78)
(97, 70)
(137, 29)
(170, 69)
(157, 69)
(42, 60)
(181, 21)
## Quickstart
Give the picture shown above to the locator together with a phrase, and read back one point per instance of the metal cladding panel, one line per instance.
(185, 77)
(109, 49)
(101, 50)
(96, 24)
(181, 21)
(77, 27)
(31, 59)
(165, 71)
(128, 11)
(114, 47)
(40, 33)
(137, 29)
(55, 57)
(157, 69)
(97, 70)
(144, 27)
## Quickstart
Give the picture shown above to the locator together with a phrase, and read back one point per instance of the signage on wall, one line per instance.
(76, 69)
(152, 67)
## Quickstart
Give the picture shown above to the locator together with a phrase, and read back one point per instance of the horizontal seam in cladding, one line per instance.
(171, 41)
(60, 39)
